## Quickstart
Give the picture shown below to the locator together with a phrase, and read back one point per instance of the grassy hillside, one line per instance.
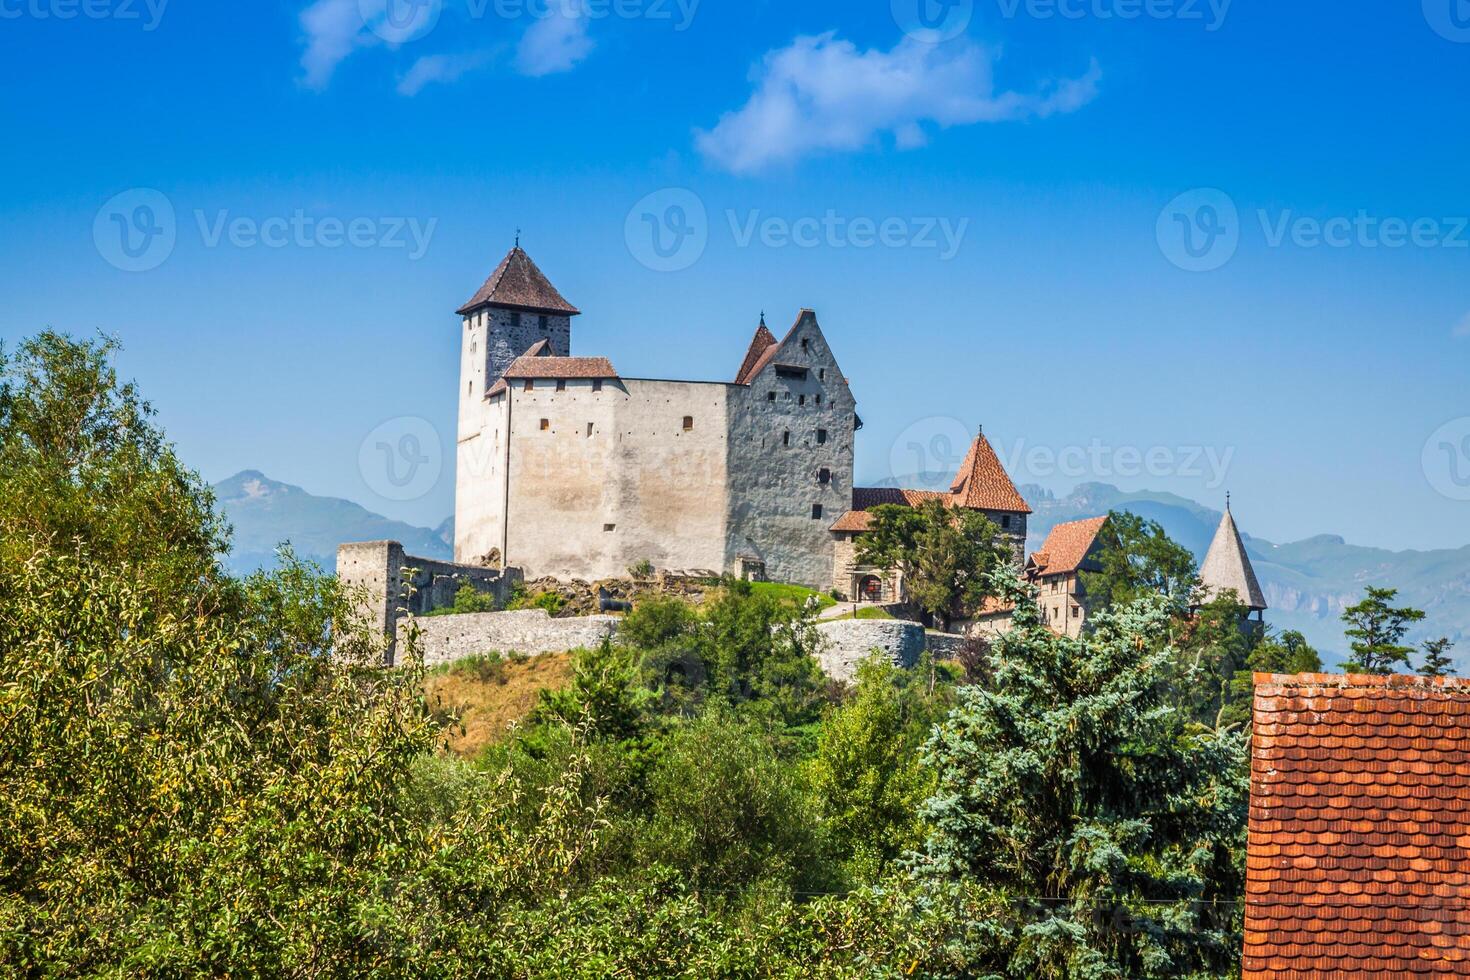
(479, 698)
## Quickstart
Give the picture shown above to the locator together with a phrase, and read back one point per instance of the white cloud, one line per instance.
(555, 42)
(333, 29)
(823, 94)
(439, 68)
(1462, 329)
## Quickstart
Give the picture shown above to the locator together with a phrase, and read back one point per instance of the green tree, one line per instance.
(1377, 632)
(1437, 661)
(1214, 649)
(1078, 794)
(867, 779)
(945, 554)
(1288, 653)
(1136, 558)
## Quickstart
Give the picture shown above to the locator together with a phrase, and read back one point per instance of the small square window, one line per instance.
(816, 512)
(689, 423)
(515, 319)
(1005, 522)
(530, 385)
(597, 384)
(543, 324)
(824, 476)
(770, 396)
(561, 385)
(545, 424)
(804, 343)
(609, 528)
(821, 437)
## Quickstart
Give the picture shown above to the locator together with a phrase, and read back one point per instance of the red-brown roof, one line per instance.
(1358, 862)
(982, 483)
(1066, 547)
(517, 283)
(763, 341)
(530, 366)
(864, 498)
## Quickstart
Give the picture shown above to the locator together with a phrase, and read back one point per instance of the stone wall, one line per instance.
(398, 584)
(445, 639)
(848, 642)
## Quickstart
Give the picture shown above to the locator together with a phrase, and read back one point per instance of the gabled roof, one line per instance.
(543, 366)
(518, 284)
(763, 341)
(771, 350)
(982, 483)
(1066, 547)
(864, 498)
(1226, 566)
(1358, 860)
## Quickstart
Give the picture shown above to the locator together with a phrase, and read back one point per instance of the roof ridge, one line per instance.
(518, 283)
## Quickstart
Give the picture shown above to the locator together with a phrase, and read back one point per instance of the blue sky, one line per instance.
(989, 214)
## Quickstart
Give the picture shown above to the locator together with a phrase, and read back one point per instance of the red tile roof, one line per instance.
(763, 341)
(1066, 546)
(982, 483)
(517, 283)
(864, 498)
(530, 366)
(1358, 862)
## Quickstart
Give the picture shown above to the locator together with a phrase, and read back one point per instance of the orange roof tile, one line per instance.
(518, 284)
(530, 366)
(982, 482)
(763, 341)
(1358, 863)
(1066, 547)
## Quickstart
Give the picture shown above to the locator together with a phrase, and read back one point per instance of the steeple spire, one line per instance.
(1227, 566)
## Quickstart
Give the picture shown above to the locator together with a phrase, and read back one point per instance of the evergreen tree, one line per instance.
(1136, 557)
(1437, 661)
(1377, 631)
(1077, 793)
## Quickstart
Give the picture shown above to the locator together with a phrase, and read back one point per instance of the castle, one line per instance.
(569, 468)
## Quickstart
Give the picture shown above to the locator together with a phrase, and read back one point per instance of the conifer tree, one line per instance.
(1437, 661)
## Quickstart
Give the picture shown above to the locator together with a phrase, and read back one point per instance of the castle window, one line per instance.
(597, 384)
(821, 437)
(804, 343)
(561, 384)
(545, 424)
(785, 438)
(1005, 522)
(609, 528)
(542, 324)
(816, 512)
(821, 374)
(770, 396)
(689, 423)
(589, 430)
(530, 385)
(819, 399)
(471, 389)
(515, 319)
(801, 399)
(824, 476)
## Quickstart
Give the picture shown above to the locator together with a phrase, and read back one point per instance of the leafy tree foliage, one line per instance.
(1137, 558)
(944, 553)
(1288, 653)
(1081, 797)
(1377, 632)
(1437, 659)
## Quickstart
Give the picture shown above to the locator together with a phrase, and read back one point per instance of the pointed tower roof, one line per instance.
(763, 341)
(982, 482)
(1227, 566)
(519, 285)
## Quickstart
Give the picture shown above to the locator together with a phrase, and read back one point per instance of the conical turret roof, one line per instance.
(518, 284)
(982, 482)
(1227, 566)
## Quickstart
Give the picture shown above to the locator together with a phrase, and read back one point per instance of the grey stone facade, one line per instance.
(396, 584)
(445, 639)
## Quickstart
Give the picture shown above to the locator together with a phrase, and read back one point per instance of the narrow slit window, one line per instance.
(821, 437)
(816, 512)
(785, 438)
(801, 399)
(589, 430)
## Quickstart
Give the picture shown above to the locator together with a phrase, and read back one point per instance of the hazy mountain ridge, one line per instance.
(265, 513)
(1308, 583)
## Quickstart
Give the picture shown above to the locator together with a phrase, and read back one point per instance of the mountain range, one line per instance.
(1308, 583)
